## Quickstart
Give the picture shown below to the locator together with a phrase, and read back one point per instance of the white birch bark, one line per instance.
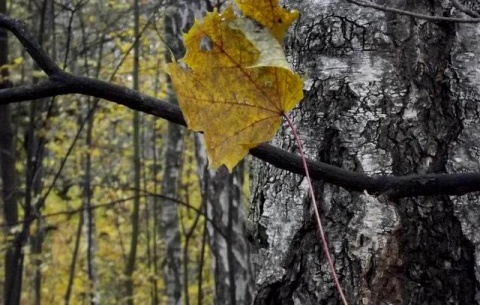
(384, 94)
(179, 16)
(230, 250)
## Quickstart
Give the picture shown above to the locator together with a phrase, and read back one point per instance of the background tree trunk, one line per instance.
(385, 94)
(35, 144)
(179, 16)
(13, 269)
(222, 195)
(88, 218)
(132, 255)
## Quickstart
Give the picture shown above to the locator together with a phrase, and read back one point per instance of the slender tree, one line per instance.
(35, 150)
(88, 218)
(179, 16)
(13, 266)
(132, 256)
(222, 195)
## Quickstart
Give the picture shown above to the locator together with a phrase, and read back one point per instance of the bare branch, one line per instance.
(20, 30)
(61, 83)
(465, 9)
(43, 89)
(387, 185)
(412, 14)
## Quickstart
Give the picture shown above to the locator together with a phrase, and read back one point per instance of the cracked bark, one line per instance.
(385, 94)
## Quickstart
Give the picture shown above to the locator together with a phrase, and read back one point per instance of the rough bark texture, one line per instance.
(383, 94)
(222, 195)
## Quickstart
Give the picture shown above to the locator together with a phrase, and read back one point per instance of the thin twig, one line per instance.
(331, 266)
(92, 207)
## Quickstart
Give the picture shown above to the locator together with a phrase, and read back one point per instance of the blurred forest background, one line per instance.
(116, 207)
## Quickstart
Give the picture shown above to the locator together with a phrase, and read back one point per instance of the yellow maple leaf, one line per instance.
(237, 85)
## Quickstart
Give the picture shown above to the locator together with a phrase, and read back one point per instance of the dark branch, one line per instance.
(388, 186)
(464, 9)
(43, 89)
(412, 14)
(20, 30)
(320, 171)
(61, 83)
(124, 96)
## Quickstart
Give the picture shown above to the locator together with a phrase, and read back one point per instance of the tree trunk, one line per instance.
(88, 218)
(132, 255)
(13, 269)
(179, 16)
(222, 196)
(36, 145)
(384, 94)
